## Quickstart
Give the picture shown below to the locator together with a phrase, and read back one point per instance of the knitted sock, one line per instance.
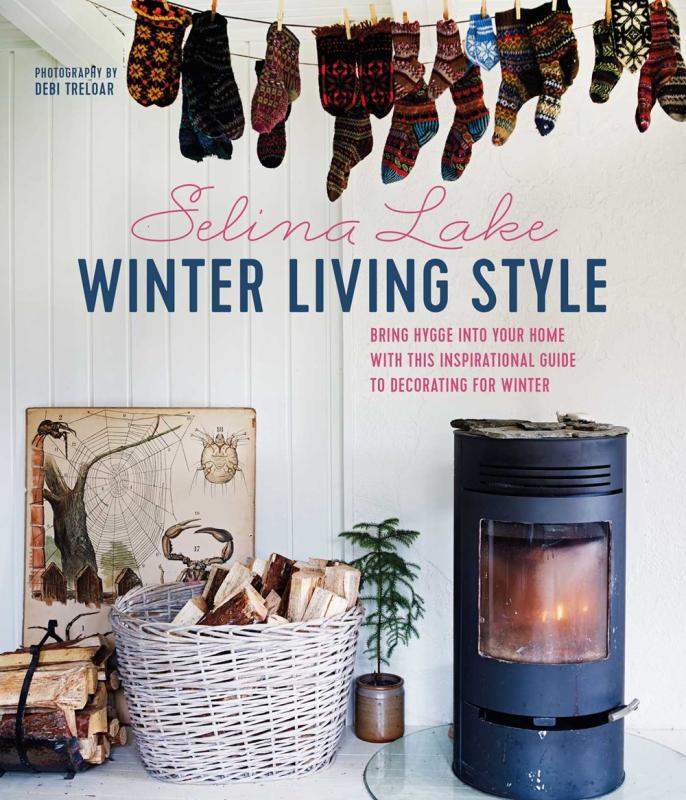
(521, 79)
(414, 123)
(555, 48)
(481, 45)
(278, 84)
(450, 63)
(375, 67)
(271, 147)
(608, 68)
(631, 28)
(352, 143)
(196, 145)
(469, 125)
(337, 62)
(209, 85)
(672, 94)
(407, 68)
(660, 66)
(154, 64)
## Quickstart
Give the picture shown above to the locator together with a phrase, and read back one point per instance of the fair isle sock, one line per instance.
(407, 68)
(469, 124)
(450, 63)
(659, 67)
(607, 69)
(352, 143)
(631, 28)
(672, 94)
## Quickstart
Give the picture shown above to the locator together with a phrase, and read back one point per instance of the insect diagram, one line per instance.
(219, 460)
(196, 570)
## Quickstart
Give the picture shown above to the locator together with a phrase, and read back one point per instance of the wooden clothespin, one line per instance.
(279, 16)
(346, 22)
(406, 17)
(518, 10)
(554, 5)
(484, 9)
(446, 10)
(372, 14)
(608, 11)
(214, 8)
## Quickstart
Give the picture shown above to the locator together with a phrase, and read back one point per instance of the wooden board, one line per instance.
(143, 471)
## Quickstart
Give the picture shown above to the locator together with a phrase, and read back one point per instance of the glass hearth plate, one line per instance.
(418, 767)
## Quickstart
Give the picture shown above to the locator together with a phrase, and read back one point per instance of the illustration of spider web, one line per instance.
(128, 495)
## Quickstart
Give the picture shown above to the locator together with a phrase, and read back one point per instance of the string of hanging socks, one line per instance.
(307, 26)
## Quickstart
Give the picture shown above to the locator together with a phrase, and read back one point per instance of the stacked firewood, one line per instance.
(70, 718)
(275, 591)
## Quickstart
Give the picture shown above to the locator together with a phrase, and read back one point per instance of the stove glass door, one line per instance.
(544, 592)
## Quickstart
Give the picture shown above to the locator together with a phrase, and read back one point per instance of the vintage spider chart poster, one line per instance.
(118, 497)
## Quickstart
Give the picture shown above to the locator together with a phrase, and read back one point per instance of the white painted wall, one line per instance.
(74, 173)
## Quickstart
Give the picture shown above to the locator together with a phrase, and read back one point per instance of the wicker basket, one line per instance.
(232, 703)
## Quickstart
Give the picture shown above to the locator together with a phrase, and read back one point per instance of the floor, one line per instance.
(125, 779)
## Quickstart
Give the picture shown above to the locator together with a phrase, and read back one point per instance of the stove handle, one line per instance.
(623, 711)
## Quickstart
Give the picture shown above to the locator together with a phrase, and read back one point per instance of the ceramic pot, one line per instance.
(379, 707)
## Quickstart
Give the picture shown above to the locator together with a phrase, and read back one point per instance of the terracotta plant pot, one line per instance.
(379, 707)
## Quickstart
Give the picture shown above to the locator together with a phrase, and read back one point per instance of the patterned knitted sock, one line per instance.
(195, 145)
(279, 82)
(608, 68)
(555, 48)
(375, 67)
(414, 123)
(337, 62)
(407, 68)
(659, 67)
(672, 94)
(154, 64)
(450, 63)
(352, 143)
(469, 125)
(481, 45)
(214, 104)
(521, 79)
(631, 28)
(271, 147)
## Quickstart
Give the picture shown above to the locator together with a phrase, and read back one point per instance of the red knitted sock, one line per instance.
(659, 67)
(450, 63)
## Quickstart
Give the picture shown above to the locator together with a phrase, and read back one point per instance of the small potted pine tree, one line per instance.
(393, 609)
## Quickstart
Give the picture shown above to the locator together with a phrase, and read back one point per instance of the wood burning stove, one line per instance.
(539, 608)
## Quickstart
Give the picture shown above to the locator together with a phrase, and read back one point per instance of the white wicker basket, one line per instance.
(232, 703)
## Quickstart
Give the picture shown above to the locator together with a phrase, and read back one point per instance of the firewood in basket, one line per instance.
(303, 584)
(276, 575)
(258, 566)
(194, 610)
(272, 601)
(275, 619)
(344, 581)
(214, 581)
(318, 605)
(337, 606)
(243, 608)
(239, 576)
(318, 563)
(256, 583)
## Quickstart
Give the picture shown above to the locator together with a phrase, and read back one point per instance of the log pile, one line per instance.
(275, 591)
(70, 718)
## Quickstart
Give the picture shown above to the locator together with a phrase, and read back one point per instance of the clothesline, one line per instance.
(270, 22)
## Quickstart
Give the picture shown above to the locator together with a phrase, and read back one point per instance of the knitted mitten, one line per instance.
(278, 84)
(154, 63)
(337, 62)
(469, 125)
(407, 68)
(671, 95)
(271, 147)
(521, 79)
(631, 28)
(213, 102)
(660, 66)
(481, 45)
(607, 69)
(196, 145)
(555, 48)
(375, 67)
(414, 123)
(352, 142)
(450, 63)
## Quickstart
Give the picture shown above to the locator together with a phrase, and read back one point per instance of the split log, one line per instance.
(113, 680)
(122, 737)
(59, 755)
(318, 563)
(303, 584)
(95, 648)
(318, 605)
(50, 725)
(52, 687)
(275, 619)
(344, 581)
(93, 718)
(113, 730)
(337, 606)
(276, 575)
(272, 601)
(121, 707)
(214, 581)
(88, 747)
(238, 578)
(194, 610)
(243, 608)
(256, 583)
(258, 566)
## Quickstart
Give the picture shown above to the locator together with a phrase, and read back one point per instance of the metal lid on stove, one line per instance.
(568, 426)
